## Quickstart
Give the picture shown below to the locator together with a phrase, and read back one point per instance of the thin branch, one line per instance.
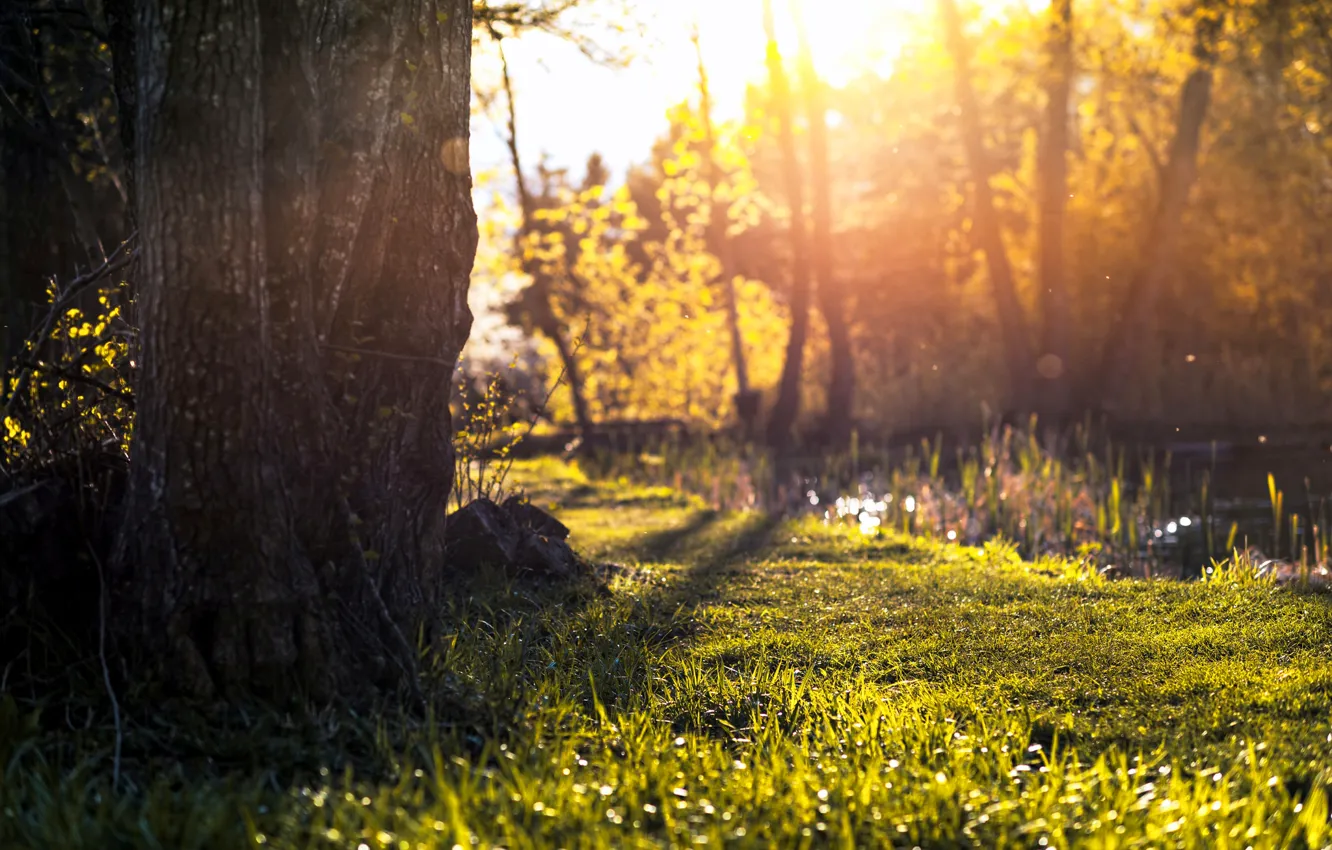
(717, 224)
(106, 669)
(42, 366)
(537, 413)
(511, 19)
(511, 140)
(1152, 152)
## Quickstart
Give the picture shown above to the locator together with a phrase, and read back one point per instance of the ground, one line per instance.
(751, 682)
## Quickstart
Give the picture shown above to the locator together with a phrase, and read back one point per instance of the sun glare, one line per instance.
(856, 38)
(859, 37)
(862, 37)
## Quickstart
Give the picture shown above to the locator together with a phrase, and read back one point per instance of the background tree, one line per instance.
(839, 418)
(533, 307)
(719, 240)
(1052, 167)
(61, 155)
(786, 408)
(1135, 329)
(1012, 320)
(645, 288)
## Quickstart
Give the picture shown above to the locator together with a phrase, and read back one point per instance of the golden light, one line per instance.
(848, 39)
(625, 107)
(860, 37)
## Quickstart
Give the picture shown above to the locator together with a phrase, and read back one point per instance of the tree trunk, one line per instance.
(1012, 321)
(787, 406)
(746, 402)
(573, 375)
(1135, 328)
(1053, 364)
(839, 419)
(305, 210)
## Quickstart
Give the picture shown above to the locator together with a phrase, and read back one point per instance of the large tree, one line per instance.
(304, 200)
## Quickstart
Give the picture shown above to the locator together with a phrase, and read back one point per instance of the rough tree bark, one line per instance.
(787, 407)
(838, 421)
(1134, 331)
(1052, 170)
(1012, 321)
(304, 199)
(746, 400)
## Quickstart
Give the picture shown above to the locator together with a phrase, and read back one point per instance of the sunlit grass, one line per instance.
(1066, 495)
(755, 682)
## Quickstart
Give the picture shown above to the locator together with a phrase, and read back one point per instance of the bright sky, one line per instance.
(568, 106)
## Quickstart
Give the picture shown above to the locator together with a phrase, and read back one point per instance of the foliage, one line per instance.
(1247, 257)
(487, 431)
(643, 294)
(69, 394)
(752, 684)
(1244, 319)
(483, 441)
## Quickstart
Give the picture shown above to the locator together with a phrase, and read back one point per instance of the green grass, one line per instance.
(750, 682)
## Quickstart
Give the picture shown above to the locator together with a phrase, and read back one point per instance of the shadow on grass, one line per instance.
(707, 578)
(581, 495)
(712, 548)
(670, 542)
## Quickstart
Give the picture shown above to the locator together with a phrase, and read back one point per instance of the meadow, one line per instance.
(735, 679)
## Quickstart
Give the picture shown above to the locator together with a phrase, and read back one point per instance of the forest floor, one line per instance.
(752, 682)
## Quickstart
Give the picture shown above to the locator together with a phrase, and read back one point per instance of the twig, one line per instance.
(536, 414)
(106, 669)
(462, 471)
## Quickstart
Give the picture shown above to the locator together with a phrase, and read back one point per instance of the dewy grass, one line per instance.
(749, 682)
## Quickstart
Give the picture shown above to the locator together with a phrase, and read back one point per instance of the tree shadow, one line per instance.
(713, 548)
(707, 577)
(668, 542)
